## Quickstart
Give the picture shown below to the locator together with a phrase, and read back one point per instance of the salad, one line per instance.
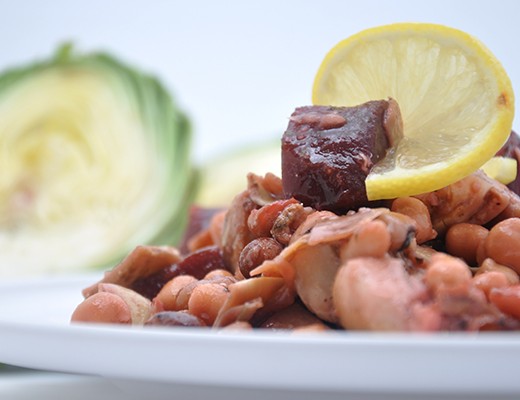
(380, 220)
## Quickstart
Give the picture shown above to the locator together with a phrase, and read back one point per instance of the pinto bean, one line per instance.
(417, 210)
(288, 221)
(103, 307)
(206, 300)
(464, 239)
(256, 252)
(502, 243)
(260, 221)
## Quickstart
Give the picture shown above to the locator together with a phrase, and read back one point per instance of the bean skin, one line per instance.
(463, 240)
(502, 243)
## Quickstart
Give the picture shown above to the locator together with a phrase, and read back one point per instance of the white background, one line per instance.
(238, 68)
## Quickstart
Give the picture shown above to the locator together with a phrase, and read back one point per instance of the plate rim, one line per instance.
(316, 358)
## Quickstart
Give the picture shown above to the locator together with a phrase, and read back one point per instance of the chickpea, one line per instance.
(489, 265)
(489, 280)
(183, 297)
(103, 307)
(444, 270)
(502, 243)
(507, 299)
(206, 300)
(417, 210)
(463, 240)
(168, 296)
(481, 255)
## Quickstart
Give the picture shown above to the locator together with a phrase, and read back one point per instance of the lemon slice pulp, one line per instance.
(455, 97)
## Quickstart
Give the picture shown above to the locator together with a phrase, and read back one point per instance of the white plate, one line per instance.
(35, 332)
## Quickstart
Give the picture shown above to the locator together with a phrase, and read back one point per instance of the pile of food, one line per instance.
(382, 218)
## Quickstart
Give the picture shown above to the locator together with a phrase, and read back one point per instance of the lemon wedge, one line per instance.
(503, 169)
(456, 101)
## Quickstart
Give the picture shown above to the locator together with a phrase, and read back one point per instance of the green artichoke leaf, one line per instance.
(95, 158)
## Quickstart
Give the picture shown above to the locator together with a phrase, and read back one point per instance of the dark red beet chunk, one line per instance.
(197, 264)
(199, 219)
(327, 152)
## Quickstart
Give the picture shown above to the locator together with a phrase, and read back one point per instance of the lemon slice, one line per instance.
(503, 169)
(455, 97)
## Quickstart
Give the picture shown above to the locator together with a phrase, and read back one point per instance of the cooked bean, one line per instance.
(490, 265)
(372, 239)
(446, 271)
(238, 326)
(206, 301)
(167, 297)
(256, 252)
(196, 264)
(490, 280)
(318, 327)
(217, 273)
(401, 228)
(103, 307)
(507, 299)
(418, 211)
(288, 221)
(260, 221)
(464, 239)
(183, 297)
(502, 243)
(481, 255)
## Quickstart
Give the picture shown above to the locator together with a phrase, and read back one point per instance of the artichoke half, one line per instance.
(94, 159)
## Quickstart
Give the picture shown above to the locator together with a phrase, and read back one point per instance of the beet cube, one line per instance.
(327, 152)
